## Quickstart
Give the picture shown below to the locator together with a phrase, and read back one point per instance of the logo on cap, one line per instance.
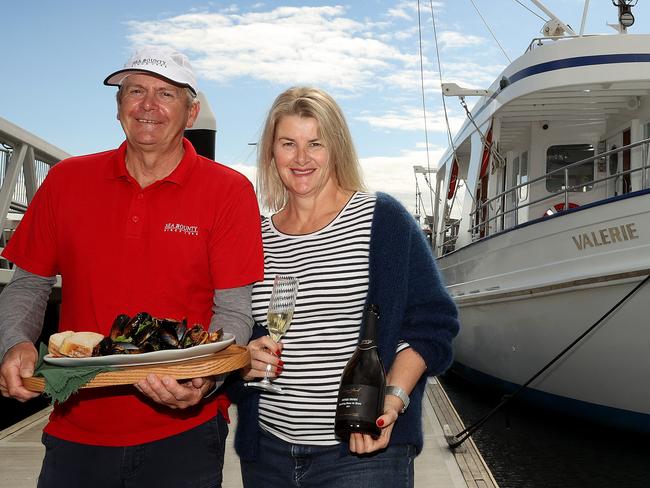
(149, 62)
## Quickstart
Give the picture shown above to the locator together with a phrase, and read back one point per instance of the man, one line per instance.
(150, 226)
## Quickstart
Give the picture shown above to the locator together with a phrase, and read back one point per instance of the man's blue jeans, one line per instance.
(192, 459)
(281, 464)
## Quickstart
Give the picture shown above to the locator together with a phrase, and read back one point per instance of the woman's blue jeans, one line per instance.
(281, 464)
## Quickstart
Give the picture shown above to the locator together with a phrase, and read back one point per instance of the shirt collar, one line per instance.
(117, 167)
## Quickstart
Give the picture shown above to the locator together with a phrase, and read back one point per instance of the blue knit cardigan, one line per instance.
(414, 306)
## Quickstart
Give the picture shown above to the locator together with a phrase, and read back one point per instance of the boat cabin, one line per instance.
(566, 125)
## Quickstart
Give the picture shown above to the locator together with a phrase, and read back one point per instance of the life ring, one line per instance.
(559, 207)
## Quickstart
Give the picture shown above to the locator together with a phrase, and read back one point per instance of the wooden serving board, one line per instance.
(224, 361)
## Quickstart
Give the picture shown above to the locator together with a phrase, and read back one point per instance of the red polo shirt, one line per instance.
(123, 249)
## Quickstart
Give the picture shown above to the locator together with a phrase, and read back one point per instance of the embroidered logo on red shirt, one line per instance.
(190, 230)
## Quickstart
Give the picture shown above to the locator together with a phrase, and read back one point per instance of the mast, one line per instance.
(584, 17)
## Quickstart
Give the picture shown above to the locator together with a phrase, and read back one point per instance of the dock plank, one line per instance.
(472, 465)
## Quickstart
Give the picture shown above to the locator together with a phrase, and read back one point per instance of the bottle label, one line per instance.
(357, 402)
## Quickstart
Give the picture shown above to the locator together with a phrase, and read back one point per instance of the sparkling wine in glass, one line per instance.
(278, 323)
(279, 315)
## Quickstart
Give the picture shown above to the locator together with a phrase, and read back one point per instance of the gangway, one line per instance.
(25, 160)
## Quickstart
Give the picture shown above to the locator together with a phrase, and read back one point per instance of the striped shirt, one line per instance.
(332, 267)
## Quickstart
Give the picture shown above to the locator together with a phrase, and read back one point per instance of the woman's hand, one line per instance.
(364, 443)
(405, 372)
(263, 351)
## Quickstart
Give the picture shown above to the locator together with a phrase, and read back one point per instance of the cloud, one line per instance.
(453, 39)
(411, 80)
(471, 74)
(285, 45)
(399, 12)
(407, 9)
(395, 175)
(410, 119)
(248, 171)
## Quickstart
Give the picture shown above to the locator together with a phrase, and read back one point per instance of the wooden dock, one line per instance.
(21, 451)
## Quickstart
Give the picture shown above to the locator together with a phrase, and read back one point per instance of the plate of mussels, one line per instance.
(135, 341)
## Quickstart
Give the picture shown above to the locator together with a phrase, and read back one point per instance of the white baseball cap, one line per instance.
(162, 61)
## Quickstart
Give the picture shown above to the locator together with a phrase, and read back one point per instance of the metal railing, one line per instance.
(539, 41)
(487, 218)
(25, 160)
(19, 198)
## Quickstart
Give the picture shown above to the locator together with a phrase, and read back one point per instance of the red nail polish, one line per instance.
(278, 352)
(279, 369)
(280, 362)
(380, 422)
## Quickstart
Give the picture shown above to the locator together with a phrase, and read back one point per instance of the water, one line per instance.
(525, 447)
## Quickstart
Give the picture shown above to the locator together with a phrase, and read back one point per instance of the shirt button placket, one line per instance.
(136, 215)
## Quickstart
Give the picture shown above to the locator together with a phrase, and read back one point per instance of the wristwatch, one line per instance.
(399, 393)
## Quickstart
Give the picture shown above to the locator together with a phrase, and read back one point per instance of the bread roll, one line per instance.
(80, 344)
(54, 344)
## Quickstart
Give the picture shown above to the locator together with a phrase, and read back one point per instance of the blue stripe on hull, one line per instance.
(612, 417)
(579, 61)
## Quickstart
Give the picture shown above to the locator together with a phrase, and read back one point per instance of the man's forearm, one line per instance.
(232, 312)
(22, 308)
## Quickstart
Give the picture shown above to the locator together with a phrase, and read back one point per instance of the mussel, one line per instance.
(117, 329)
(215, 336)
(194, 337)
(171, 332)
(153, 343)
(104, 347)
(140, 328)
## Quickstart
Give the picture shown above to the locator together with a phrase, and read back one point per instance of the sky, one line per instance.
(365, 53)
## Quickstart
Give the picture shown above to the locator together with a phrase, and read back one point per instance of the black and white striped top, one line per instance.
(332, 266)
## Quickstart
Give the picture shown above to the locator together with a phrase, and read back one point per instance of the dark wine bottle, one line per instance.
(363, 384)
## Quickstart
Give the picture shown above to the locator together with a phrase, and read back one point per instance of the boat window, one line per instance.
(515, 172)
(580, 177)
(523, 169)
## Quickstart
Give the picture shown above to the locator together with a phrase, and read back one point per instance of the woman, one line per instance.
(348, 248)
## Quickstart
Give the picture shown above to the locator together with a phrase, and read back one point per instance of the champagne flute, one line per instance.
(279, 315)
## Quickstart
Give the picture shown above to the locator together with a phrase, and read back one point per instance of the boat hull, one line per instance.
(526, 294)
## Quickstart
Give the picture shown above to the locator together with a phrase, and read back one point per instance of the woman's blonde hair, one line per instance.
(315, 103)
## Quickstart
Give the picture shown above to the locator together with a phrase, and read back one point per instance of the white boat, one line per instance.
(551, 226)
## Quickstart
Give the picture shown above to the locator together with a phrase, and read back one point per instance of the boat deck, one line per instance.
(21, 451)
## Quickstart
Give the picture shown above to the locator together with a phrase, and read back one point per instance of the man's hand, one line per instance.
(18, 363)
(169, 392)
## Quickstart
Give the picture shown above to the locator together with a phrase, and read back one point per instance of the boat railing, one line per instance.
(539, 41)
(487, 214)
